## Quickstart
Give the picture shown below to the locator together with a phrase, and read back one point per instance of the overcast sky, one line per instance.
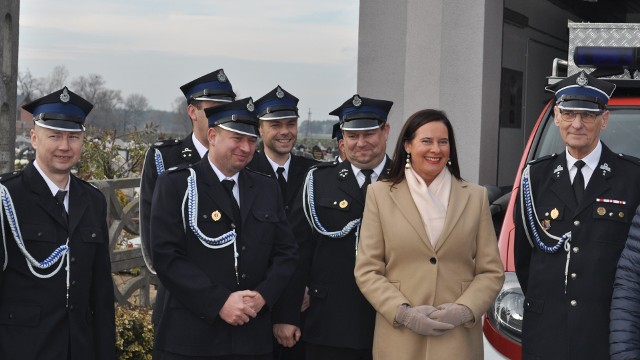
(152, 47)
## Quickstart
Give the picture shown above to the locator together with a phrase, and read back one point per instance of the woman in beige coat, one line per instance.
(428, 257)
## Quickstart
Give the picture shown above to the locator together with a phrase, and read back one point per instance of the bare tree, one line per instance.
(27, 84)
(134, 106)
(56, 80)
(105, 101)
(182, 121)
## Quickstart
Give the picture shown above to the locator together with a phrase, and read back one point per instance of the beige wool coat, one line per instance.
(397, 264)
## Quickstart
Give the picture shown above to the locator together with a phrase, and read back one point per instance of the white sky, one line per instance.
(152, 47)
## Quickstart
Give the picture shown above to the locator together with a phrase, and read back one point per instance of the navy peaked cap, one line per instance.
(277, 105)
(361, 113)
(61, 110)
(582, 91)
(214, 86)
(238, 116)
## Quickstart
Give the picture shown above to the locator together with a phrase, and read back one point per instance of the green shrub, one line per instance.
(134, 333)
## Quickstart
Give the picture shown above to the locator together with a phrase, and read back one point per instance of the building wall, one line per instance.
(437, 54)
(9, 21)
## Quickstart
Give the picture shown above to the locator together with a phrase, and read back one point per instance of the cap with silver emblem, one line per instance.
(361, 113)
(238, 116)
(277, 105)
(61, 110)
(213, 86)
(582, 91)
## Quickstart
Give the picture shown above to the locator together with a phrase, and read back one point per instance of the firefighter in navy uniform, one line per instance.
(277, 113)
(56, 291)
(207, 91)
(572, 219)
(326, 219)
(222, 246)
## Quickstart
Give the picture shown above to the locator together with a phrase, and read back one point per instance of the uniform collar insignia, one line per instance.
(186, 153)
(558, 170)
(605, 168)
(343, 174)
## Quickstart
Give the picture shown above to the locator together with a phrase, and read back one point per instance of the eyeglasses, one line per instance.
(587, 117)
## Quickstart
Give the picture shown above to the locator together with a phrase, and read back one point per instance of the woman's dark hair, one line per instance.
(408, 132)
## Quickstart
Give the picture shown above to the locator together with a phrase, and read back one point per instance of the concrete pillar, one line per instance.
(437, 54)
(9, 19)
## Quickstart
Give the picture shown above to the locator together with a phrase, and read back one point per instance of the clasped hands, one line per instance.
(241, 306)
(434, 321)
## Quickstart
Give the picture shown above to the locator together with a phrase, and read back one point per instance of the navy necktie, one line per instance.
(60, 195)
(282, 181)
(228, 186)
(578, 181)
(367, 181)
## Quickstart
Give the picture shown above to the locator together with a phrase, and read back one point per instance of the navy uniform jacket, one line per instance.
(575, 324)
(339, 315)
(173, 152)
(298, 168)
(34, 320)
(200, 279)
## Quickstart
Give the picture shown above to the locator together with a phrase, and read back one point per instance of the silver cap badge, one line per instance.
(64, 97)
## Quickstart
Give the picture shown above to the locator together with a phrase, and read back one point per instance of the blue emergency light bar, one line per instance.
(607, 57)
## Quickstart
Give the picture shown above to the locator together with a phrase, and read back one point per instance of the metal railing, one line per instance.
(134, 284)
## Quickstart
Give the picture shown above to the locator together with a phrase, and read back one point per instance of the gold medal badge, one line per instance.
(601, 211)
(216, 215)
(343, 204)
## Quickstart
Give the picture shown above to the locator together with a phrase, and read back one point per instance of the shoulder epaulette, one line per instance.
(326, 164)
(92, 185)
(631, 159)
(544, 158)
(182, 166)
(165, 143)
(257, 172)
(11, 175)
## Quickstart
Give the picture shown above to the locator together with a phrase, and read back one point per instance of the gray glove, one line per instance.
(417, 320)
(454, 314)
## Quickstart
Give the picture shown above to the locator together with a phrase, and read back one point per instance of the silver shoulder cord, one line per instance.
(308, 205)
(58, 254)
(190, 200)
(530, 217)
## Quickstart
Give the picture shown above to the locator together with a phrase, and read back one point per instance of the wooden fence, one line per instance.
(134, 284)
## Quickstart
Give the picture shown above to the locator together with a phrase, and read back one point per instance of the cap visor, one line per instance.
(279, 115)
(60, 125)
(224, 99)
(240, 128)
(361, 124)
(579, 105)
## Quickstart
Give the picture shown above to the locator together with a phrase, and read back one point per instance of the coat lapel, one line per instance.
(188, 151)
(42, 193)
(247, 194)
(78, 202)
(599, 179)
(348, 183)
(562, 182)
(458, 199)
(401, 197)
(296, 178)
